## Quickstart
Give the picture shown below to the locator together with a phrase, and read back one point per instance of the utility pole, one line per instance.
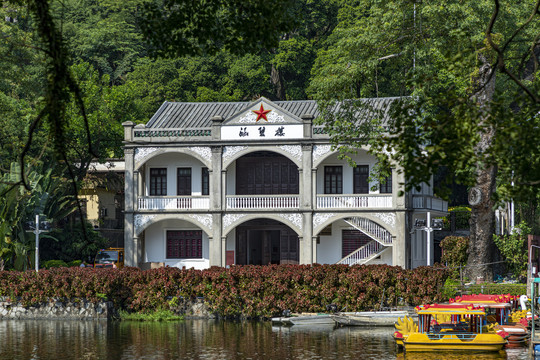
(34, 227)
(428, 226)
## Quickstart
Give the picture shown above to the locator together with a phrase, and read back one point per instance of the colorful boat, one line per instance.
(445, 327)
(502, 313)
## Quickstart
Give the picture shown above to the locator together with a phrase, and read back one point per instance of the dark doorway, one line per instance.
(266, 173)
(261, 242)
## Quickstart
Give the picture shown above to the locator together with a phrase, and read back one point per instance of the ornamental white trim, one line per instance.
(387, 218)
(230, 151)
(251, 118)
(141, 153)
(140, 221)
(274, 117)
(296, 219)
(204, 151)
(205, 219)
(320, 150)
(230, 219)
(294, 150)
(319, 219)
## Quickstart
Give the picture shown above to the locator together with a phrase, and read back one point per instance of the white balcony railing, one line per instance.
(262, 201)
(336, 201)
(174, 202)
(429, 202)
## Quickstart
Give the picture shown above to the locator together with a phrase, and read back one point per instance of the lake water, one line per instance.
(203, 339)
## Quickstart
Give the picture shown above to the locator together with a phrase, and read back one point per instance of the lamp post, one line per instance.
(428, 226)
(34, 227)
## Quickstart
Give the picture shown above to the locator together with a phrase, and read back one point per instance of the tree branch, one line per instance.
(499, 63)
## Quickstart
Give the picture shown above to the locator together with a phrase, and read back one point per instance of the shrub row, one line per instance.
(240, 291)
(453, 289)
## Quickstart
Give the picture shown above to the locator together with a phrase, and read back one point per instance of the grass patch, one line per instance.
(158, 315)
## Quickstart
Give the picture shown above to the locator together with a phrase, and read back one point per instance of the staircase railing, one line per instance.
(371, 229)
(363, 253)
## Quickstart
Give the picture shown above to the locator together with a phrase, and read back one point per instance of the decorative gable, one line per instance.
(262, 120)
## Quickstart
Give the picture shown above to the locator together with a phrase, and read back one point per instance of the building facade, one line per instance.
(102, 197)
(219, 184)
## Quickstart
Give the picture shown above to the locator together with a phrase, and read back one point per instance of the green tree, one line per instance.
(468, 68)
(72, 242)
(514, 249)
(102, 33)
(221, 77)
(19, 205)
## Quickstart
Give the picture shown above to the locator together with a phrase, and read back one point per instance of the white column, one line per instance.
(129, 199)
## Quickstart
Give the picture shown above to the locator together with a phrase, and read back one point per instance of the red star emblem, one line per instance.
(261, 113)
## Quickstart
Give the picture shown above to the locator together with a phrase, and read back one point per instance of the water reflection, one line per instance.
(59, 340)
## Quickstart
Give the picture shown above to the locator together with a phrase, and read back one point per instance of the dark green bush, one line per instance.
(54, 264)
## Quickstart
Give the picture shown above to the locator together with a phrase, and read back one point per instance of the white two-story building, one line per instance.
(217, 184)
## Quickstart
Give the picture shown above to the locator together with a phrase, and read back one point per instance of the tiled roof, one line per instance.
(176, 115)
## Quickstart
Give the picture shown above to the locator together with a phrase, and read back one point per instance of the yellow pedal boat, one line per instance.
(447, 328)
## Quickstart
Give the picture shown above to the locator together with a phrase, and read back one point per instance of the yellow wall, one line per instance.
(97, 199)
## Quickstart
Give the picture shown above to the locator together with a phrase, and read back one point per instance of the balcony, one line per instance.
(262, 202)
(336, 201)
(174, 203)
(429, 202)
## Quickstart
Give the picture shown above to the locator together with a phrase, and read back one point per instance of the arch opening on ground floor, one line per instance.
(265, 241)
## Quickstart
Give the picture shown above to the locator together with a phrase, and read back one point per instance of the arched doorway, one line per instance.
(262, 242)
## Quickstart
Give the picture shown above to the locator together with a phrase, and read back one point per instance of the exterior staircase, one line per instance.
(382, 239)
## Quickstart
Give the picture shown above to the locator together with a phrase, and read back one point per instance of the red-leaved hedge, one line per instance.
(245, 291)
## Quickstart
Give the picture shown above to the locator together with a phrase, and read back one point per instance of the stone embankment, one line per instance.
(80, 309)
(56, 309)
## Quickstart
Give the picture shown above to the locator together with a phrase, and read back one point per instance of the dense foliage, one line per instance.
(453, 288)
(513, 248)
(454, 253)
(246, 291)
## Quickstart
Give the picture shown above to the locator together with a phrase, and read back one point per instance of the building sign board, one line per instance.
(262, 131)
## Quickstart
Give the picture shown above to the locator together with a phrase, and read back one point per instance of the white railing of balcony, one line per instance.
(361, 254)
(336, 201)
(174, 202)
(262, 201)
(429, 202)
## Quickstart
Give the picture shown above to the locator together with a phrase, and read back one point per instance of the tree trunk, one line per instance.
(481, 246)
(277, 81)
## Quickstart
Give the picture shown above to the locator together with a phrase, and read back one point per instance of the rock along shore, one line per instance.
(81, 309)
